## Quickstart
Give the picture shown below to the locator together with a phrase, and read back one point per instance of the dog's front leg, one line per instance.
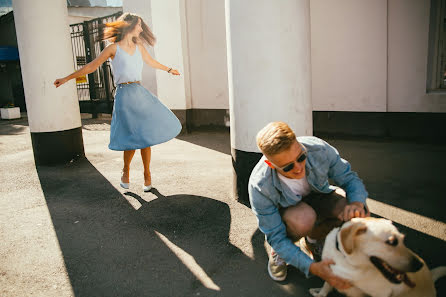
(321, 292)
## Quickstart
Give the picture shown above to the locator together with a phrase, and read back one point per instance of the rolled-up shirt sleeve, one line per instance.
(271, 224)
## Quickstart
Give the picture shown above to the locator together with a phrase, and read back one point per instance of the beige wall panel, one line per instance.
(349, 55)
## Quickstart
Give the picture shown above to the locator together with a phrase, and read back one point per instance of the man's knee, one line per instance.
(299, 219)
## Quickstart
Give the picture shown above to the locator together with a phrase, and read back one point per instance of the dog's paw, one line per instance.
(316, 292)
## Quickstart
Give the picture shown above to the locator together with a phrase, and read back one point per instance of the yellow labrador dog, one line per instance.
(371, 254)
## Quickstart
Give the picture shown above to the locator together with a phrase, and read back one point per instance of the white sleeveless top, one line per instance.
(125, 67)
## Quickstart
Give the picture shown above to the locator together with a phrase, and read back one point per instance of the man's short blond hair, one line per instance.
(275, 138)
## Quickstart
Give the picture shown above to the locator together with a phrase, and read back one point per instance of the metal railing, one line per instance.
(95, 90)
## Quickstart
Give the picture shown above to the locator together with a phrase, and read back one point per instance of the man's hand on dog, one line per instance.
(353, 210)
(323, 270)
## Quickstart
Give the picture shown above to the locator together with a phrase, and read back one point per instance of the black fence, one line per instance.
(95, 90)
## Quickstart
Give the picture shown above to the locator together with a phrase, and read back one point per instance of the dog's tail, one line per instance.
(438, 272)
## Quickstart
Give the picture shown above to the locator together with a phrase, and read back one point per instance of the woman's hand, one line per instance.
(60, 81)
(322, 269)
(174, 72)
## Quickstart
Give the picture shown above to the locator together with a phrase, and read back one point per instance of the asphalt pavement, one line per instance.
(70, 230)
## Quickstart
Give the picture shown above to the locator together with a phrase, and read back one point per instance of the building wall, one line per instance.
(349, 55)
(371, 56)
(408, 51)
(81, 14)
(77, 19)
(207, 54)
(367, 56)
(171, 49)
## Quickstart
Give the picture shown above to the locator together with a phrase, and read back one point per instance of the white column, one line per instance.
(43, 38)
(269, 73)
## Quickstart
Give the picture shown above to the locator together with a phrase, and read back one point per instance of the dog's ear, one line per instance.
(349, 234)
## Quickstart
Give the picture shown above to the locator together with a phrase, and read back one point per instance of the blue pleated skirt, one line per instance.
(140, 119)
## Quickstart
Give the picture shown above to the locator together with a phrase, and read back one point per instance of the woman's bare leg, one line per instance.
(128, 156)
(145, 156)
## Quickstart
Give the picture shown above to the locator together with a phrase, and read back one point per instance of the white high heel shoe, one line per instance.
(144, 187)
(123, 184)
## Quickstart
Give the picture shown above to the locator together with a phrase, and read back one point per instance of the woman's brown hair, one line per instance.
(117, 30)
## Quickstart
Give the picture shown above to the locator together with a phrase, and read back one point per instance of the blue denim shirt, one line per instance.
(267, 194)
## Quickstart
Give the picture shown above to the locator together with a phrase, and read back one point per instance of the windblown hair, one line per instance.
(117, 30)
(275, 138)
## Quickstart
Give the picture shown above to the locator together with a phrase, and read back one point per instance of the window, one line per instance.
(436, 80)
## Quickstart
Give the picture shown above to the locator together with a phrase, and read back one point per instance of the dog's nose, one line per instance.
(415, 264)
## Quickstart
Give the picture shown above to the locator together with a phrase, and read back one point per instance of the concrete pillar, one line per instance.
(43, 38)
(269, 74)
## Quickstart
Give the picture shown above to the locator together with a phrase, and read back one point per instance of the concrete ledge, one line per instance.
(207, 118)
(426, 127)
(192, 119)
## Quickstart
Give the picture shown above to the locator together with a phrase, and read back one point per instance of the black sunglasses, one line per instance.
(302, 157)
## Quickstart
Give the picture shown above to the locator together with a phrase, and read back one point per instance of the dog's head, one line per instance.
(377, 242)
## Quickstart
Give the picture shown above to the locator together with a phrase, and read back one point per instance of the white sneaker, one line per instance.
(277, 267)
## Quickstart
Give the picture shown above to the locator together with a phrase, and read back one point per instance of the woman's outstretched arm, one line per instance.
(154, 63)
(108, 52)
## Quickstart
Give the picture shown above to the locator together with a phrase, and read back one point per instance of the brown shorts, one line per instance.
(325, 204)
(327, 207)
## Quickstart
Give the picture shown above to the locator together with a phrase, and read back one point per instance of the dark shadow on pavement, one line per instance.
(406, 175)
(217, 139)
(14, 127)
(111, 248)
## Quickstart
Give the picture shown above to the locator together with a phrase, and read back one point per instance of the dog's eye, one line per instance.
(393, 241)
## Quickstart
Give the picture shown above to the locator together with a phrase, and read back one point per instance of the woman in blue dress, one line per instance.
(139, 119)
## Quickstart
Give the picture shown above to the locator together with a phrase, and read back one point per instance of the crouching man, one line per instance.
(291, 196)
